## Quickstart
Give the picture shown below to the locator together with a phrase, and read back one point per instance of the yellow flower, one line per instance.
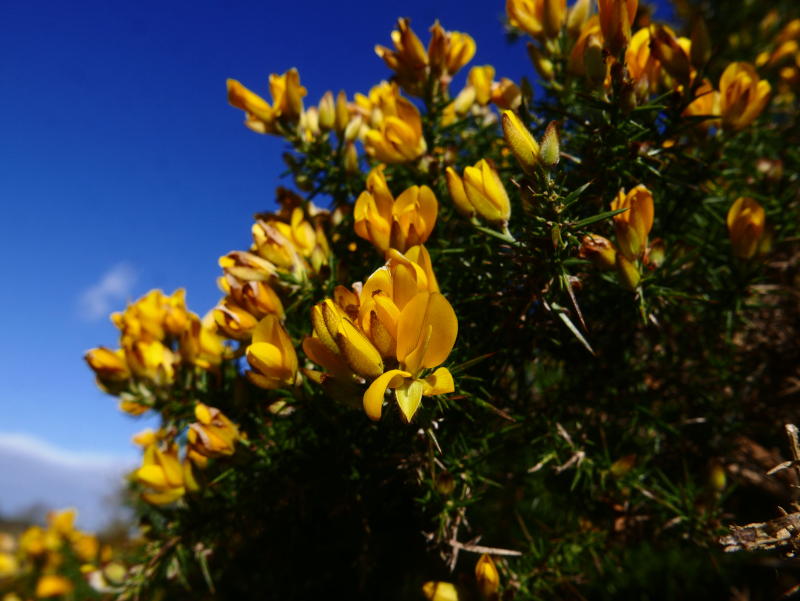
(163, 473)
(200, 344)
(483, 190)
(287, 102)
(746, 219)
(151, 360)
(426, 332)
(389, 223)
(53, 585)
(260, 115)
(641, 63)
(247, 266)
(487, 577)
(32, 541)
(633, 225)
(440, 591)
(175, 315)
(705, 104)
(506, 94)
(616, 19)
(349, 350)
(576, 65)
(272, 246)
(299, 232)
(743, 95)
(665, 47)
(86, 546)
(271, 355)
(398, 137)
(9, 565)
(527, 15)
(409, 59)
(480, 78)
(459, 50)
(213, 434)
(108, 365)
(62, 522)
(233, 321)
(257, 298)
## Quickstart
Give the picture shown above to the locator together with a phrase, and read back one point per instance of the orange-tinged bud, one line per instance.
(525, 148)
(743, 96)
(271, 355)
(746, 219)
(599, 251)
(627, 273)
(544, 66)
(616, 19)
(526, 15)
(486, 577)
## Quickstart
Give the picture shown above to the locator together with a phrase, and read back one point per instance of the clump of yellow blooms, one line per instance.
(495, 218)
(39, 561)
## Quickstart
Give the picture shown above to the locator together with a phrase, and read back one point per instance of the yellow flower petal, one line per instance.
(409, 396)
(439, 382)
(373, 398)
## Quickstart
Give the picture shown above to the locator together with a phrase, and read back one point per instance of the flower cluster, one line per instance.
(56, 559)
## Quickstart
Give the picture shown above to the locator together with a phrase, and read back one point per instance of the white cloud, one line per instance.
(95, 302)
(34, 473)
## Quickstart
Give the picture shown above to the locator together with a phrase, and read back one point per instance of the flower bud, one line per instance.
(553, 12)
(486, 193)
(440, 591)
(594, 61)
(622, 466)
(352, 129)
(351, 159)
(656, 253)
(700, 52)
(486, 576)
(342, 114)
(578, 15)
(327, 112)
(627, 98)
(464, 101)
(616, 19)
(627, 273)
(543, 66)
(599, 251)
(717, 477)
(549, 151)
(456, 187)
(745, 227)
(521, 143)
(481, 79)
(445, 483)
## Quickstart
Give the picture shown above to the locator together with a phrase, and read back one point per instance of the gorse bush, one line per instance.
(512, 341)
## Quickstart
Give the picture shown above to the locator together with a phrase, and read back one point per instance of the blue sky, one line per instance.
(122, 167)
